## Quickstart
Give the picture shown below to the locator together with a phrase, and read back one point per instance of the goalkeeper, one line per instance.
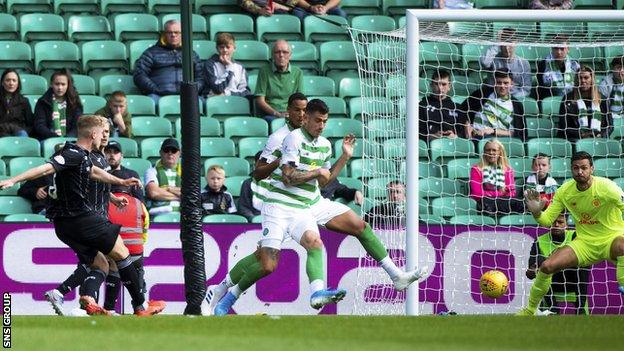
(596, 204)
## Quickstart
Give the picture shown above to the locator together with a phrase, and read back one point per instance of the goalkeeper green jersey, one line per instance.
(597, 211)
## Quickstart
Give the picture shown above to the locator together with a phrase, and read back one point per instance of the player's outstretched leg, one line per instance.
(56, 299)
(617, 251)
(113, 288)
(89, 289)
(215, 293)
(540, 287)
(56, 296)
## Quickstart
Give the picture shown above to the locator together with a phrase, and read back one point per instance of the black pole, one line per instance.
(191, 234)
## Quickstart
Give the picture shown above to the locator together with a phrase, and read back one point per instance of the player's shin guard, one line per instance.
(91, 285)
(113, 287)
(238, 271)
(371, 244)
(314, 269)
(76, 278)
(130, 278)
(540, 287)
(619, 270)
(253, 273)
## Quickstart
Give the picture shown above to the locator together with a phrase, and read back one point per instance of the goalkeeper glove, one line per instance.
(532, 201)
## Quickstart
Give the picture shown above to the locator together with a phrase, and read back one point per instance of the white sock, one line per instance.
(227, 281)
(316, 285)
(388, 265)
(236, 291)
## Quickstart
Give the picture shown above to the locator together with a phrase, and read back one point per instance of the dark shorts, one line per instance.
(87, 235)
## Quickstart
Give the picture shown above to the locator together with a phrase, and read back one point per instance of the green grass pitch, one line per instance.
(313, 333)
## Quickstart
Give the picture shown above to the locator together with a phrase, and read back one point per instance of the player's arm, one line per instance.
(33, 173)
(270, 158)
(118, 201)
(101, 175)
(292, 176)
(348, 143)
(263, 169)
(535, 206)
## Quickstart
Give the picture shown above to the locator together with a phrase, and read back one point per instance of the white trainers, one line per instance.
(214, 293)
(404, 280)
(56, 299)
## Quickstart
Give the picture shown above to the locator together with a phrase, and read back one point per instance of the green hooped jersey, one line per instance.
(305, 153)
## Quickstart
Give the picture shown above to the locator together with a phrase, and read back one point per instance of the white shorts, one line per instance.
(325, 210)
(281, 223)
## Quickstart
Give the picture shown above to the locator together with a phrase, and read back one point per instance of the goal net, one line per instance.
(540, 87)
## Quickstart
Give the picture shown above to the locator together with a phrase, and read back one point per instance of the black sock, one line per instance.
(138, 263)
(76, 278)
(113, 286)
(130, 278)
(92, 283)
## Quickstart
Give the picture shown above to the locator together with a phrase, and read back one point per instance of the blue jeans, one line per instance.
(21, 133)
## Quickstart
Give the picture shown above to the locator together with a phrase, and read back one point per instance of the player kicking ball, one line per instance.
(596, 203)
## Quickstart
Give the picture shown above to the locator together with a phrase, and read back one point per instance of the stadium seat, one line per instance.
(369, 168)
(172, 217)
(593, 4)
(233, 166)
(138, 165)
(129, 146)
(539, 127)
(200, 26)
(19, 165)
(104, 55)
(471, 220)
(523, 166)
(209, 127)
(304, 55)
(32, 99)
(248, 147)
(137, 48)
(237, 127)
(319, 30)
(398, 7)
(85, 85)
(217, 147)
(423, 149)
(32, 84)
(224, 218)
(14, 205)
(69, 7)
(467, 29)
(8, 27)
(251, 54)
(234, 184)
(337, 55)
(12, 191)
(531, 109)
(150, 148)
(25, 217)
(375, 23)
(19, 146)
(204, 48)
(430, 219)
(464, 85)
(349, 88)
(3, 170)
(136, 26)
(436, 54)
(163, 6)
(238, 24)
(496, 4)
(139, 105)
(550, 108)
(599, 147)
(517, 220)
(339, 127)
(352, 183)
(376, 188)
(378, 108)
(92, 103)
(395, 148)
(222, 107)
(438, 187)
(42, 26)
(380, 54)
(427, 169)
(514, 147)
(113, 82)
(169, 107)
(561, 168)
(471, 53)
(591, 56)
(460, 168)
(619, 182)
(318, 85)
(49, 144)
(555, 147)
(361, 7)
(272, 28)
(28, 6)
(122, 6)
(575, 30)
(337, 106)
(609, 167)
(204, 7)
(54, 55)
(446, 147)
(358, 148)
(423, 207)
(277, 124)
(146, 127)
(85, 28)
(449, 206)
(612, 51)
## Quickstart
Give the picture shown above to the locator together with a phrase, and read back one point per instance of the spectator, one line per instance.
(555, 74)
(541, 180)
(392, 212)
(276, 82)
(158, 72)
(335, 190)
(215, 198)
(116, 110)
(494, 112)
(612, 88)
(162, 182)
(224, 76)
(452, 4)
(268, 8)
(16, 118)
(439, 115)
(503, 57)
(492, 182)
(249, 206)
(319, 7)
(582, 113)
(114, 156)
(551, 4)
(57, 111)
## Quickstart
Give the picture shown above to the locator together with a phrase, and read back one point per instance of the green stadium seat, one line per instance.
(92, 103)
(599, 148)
(222, 107)
(248, 147)
(8, 27)
(32, 99)
(69, 7)
(609, 167)
(561, 168)
(619, 182)
(318, 85)
(531, 109)
(251, 54)
(460, 168)
(200, 26)
(204, 7)
(555, 147)
(25, 217)
(375, 23)
(427, 169)
(172, 217)
(517, 220)
(109, 7)
(104, 55)
(591, 56)
(612, 51)
(32, 84)
(140, 105)
(272, 28)
(224, 218)
(539, 127)
(496, 4)
(49, 144)
(12, 191)
(19, 165)
(349, 88)
(352, 183)
(138, 165)
(550, 107)
(337, 55)
(233, 166)
(136, 26)
(467, 29)
(150, 148)
(3, 170)
(438, 187)
(304, 55)
(277, 124)
(446, 147)
(514, 147)
(42, 26)
(113, 82)
(147, 127)
(239, 25)
(137, 48)
(28, 6)
(217, 147)
(368, 168)
(169, 107)
(319, 30)
(449, 206)
(436, 54)
(522, 166)
(464, 85)
(378, 108)
(163, 6)
(358, 149)
(423, 207)
(204, 48)
(472, 220)
(423, 149)
(14, 205)
(337, 106)
(397, 7)
(234, 184)
(54, 55)
(524, 30)
(376, 188)
(129, 146)
(361, 7)
(209, 127)
(430, 219)
(575, 30)
(339, 127)
(256, 219)
(237, 127)
(382, 53)
(85, 85)
(593, 4)
(395, 148)
(85, 28)
(19, 146)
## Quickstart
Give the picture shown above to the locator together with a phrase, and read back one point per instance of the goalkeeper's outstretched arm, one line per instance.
(535, 206)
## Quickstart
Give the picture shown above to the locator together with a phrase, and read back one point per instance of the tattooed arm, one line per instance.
(292, 176)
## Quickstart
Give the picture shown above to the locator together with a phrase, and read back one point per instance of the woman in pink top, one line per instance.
(492, 182)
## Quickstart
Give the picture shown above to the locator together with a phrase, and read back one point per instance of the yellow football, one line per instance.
(494, 284)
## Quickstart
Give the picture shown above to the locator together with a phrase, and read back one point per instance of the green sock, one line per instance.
(372, 245)
(237, 272)
(314, 265)
(540, 287)
(619, 270)
(253, 273)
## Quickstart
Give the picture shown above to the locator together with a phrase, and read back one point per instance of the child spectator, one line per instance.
(16, 116)
(215, 198)
(612, 88)
(116, 110)
(224, 76)
(57, 111)
(541, 180)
